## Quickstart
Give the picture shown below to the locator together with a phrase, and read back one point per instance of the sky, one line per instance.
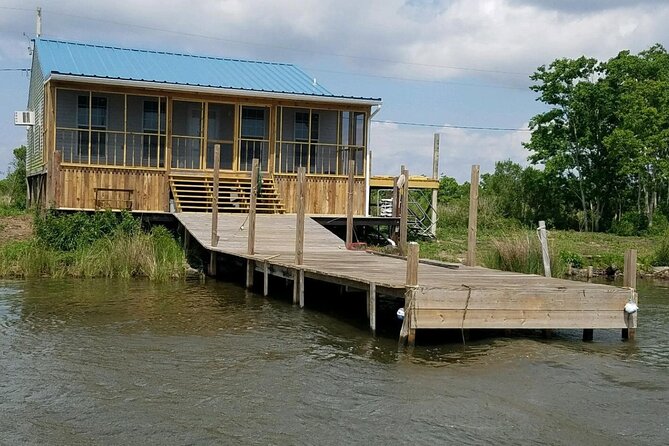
(446, 65)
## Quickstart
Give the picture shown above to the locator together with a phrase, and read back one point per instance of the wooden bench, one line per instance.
(124, 202)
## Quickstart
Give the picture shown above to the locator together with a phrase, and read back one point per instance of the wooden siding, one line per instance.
(78, 184)
(324, 195)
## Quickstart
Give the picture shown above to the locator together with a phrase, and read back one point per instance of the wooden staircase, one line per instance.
(194, 193)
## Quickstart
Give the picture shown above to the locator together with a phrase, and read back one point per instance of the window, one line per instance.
(95, 109)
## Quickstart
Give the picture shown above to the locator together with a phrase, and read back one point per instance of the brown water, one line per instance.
(113, 362)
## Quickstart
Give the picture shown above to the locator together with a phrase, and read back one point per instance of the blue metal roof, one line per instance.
(107, 62)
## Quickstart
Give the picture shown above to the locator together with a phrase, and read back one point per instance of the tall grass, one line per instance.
(522, 254)
(100, 249)
(660, 256)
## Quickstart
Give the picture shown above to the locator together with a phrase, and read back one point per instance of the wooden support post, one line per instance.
(473, 216)
(250, 267)
(435, 176)
(408, 331)
(186, 240)
(349, 204)
(298, 287)
(587, 334)
(404, 212)
(252, 207)
(214, 197)
(629, 280)
(265, 282)
(299, 224)
(56, 179)
(371, 298)
(212, 263)
(543, 239)
(590, 272)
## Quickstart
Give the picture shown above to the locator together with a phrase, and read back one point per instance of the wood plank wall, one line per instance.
(324, 195)
(79, 183)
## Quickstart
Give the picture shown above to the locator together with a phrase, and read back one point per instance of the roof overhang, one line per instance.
(216, 90)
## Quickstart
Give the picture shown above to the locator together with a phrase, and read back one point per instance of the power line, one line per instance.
(433, 81)
(449, 126)
(242, 42)
(25, 70)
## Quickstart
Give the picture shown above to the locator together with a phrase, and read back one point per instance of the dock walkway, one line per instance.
(446, 297)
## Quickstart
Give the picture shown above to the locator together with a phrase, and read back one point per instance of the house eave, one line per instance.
(369, 102)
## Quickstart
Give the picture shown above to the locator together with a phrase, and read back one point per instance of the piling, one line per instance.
(473, 216)
(629, 281)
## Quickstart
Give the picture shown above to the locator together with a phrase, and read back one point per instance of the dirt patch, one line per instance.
(15, 228)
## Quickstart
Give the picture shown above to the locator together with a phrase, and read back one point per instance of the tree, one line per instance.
(643, 131)
(568, 139)
(14, 185)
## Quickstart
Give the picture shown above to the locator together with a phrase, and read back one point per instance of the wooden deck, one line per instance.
(448, 296)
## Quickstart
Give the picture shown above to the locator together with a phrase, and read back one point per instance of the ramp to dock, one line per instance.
(447, 297)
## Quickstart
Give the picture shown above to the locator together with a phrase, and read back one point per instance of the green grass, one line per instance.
(97, 245)
(496, 238)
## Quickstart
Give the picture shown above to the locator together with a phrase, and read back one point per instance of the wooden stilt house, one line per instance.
(134, 129)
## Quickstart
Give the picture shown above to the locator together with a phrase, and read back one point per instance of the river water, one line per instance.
(129, 362)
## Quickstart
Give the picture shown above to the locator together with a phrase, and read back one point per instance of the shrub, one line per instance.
(522, 254)
(631, 223)
(571, 258)
(660, 256)
(67, 232)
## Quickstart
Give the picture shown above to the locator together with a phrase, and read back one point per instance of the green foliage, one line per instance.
(605, 137)
(68, 232)
(522, 254)
(101, 244)
(571, 258)
(449, 189)
(13, 187)
(660, 256)
(631, 223)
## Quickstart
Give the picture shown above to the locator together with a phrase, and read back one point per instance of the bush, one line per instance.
(571, 258)
(631, 223)
(67, 232)
(522, 254)
(660, 256)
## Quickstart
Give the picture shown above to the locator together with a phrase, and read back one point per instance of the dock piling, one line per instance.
(214, 198)
(629, 280)
(408, 331)
(435, 176)
(404, 211)
(473, 215)
(371, 309)
(349, 204)
(299, 224)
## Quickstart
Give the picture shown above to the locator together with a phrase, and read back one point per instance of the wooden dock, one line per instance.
(446, 297)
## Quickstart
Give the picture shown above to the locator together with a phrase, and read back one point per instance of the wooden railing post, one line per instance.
(349, 204)
(299, 225)
(251, 241)
(543, 239)
(473, 216)
(214, 198)
(252, 206)
(298, 279)
(404, 212)
(435, 192)
(629, 280)
(408, 331)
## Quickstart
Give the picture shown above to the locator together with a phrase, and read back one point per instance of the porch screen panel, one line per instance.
(353, 135)
(186, 135)
(89, 126)
(146, 125)
(323, 151)
(254, 137)
(221, 130)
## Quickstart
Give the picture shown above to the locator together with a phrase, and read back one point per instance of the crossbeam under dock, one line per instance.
(445, 297)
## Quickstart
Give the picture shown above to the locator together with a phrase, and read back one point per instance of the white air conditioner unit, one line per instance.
(24, 118)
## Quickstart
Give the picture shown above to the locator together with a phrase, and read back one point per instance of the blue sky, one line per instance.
(447, 63)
